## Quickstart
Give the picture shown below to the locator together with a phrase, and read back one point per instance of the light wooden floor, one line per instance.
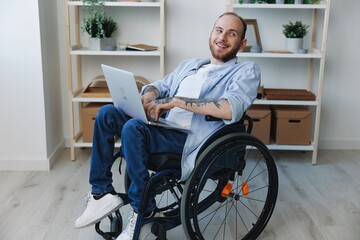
(314, 202)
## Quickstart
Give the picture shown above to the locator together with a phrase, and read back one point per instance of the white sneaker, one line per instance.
(96, 210)
(128, 233)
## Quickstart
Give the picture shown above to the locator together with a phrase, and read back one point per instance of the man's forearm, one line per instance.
(217, 108)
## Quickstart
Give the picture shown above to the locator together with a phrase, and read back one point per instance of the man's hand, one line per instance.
(150, 94)
(158, 107)
(148, 97)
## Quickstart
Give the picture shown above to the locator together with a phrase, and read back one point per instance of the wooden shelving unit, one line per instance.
(315, 58)
(77, 51)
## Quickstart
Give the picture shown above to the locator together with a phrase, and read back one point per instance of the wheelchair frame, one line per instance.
(241, 175)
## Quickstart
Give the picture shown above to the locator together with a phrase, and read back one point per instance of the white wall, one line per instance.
(51, 78)
(340, 117)
(26, 141)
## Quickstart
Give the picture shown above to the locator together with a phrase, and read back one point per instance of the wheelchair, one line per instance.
(231, 193)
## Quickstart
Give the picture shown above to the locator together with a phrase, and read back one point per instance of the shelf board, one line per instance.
(87, 52)
(92, 99)
(121, 4)
(313, 54)
(285, 102)
(77, 97)
(80, 144)
(257, 101)
(274, 146)
(280, 6)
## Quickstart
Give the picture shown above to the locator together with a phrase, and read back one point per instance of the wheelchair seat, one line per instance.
(162, 161)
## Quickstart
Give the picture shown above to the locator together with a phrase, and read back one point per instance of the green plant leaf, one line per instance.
(295, 30)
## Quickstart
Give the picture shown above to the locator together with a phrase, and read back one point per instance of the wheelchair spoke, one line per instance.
(213, 211)
(255, 190)
(170, 198)
(257, 163)
(249, 179)
(242, 220)
(213, 215)
(223, 224)
(249, 209)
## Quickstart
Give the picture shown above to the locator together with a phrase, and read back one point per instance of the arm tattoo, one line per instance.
(190, 101)
(151, 88)
(200, 102)
(163, 100)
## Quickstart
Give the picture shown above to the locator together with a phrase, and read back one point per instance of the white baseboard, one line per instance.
(56, 153)
(32, 164)
(67, 142)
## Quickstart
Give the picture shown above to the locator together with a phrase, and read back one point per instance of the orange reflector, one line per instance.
(245, 188)
(226, 190)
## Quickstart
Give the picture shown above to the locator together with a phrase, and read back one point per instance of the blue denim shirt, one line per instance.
(238, 82)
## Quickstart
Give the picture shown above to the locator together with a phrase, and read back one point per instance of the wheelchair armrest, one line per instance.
(244, 118)
(209, 118)
(248, 119)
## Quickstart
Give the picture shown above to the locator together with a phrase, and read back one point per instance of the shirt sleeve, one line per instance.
(242, 90)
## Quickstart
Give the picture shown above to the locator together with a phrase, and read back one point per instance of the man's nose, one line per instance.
(222, 36)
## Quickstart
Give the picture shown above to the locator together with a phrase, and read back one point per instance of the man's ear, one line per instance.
(243, 44)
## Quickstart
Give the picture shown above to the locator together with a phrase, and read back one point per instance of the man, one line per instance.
(220, 86)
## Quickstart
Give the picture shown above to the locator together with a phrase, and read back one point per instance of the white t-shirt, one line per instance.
(189, 87)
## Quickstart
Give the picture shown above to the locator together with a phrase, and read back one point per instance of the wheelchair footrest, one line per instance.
(116, 225)
(161, 230)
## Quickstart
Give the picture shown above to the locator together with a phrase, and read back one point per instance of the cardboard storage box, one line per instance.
(291, 125)
(261, 116)
(89, 112)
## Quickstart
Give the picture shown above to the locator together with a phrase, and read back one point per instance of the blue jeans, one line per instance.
(138, 141)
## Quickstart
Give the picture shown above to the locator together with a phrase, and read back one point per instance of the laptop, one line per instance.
(125, 95)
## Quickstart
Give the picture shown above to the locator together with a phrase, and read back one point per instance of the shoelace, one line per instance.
(87, 199)
(130, 228)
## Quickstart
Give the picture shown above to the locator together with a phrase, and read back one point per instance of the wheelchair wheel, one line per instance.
(232, 191)
(167, 193)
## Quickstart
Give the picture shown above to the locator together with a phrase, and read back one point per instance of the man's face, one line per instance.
(225, 39)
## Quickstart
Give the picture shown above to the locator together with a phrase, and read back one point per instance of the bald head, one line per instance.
(242, 24)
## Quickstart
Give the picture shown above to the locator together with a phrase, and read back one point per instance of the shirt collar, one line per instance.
(207, 61)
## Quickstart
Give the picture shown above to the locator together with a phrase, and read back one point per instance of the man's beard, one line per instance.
(226, 56)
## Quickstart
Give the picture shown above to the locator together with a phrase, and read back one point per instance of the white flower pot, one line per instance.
(98, 44)
(293, 44)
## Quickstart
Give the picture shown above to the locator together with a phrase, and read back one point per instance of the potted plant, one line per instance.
(294, 33)
(99, 27)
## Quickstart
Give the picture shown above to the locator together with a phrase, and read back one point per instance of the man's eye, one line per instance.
(232, 34)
